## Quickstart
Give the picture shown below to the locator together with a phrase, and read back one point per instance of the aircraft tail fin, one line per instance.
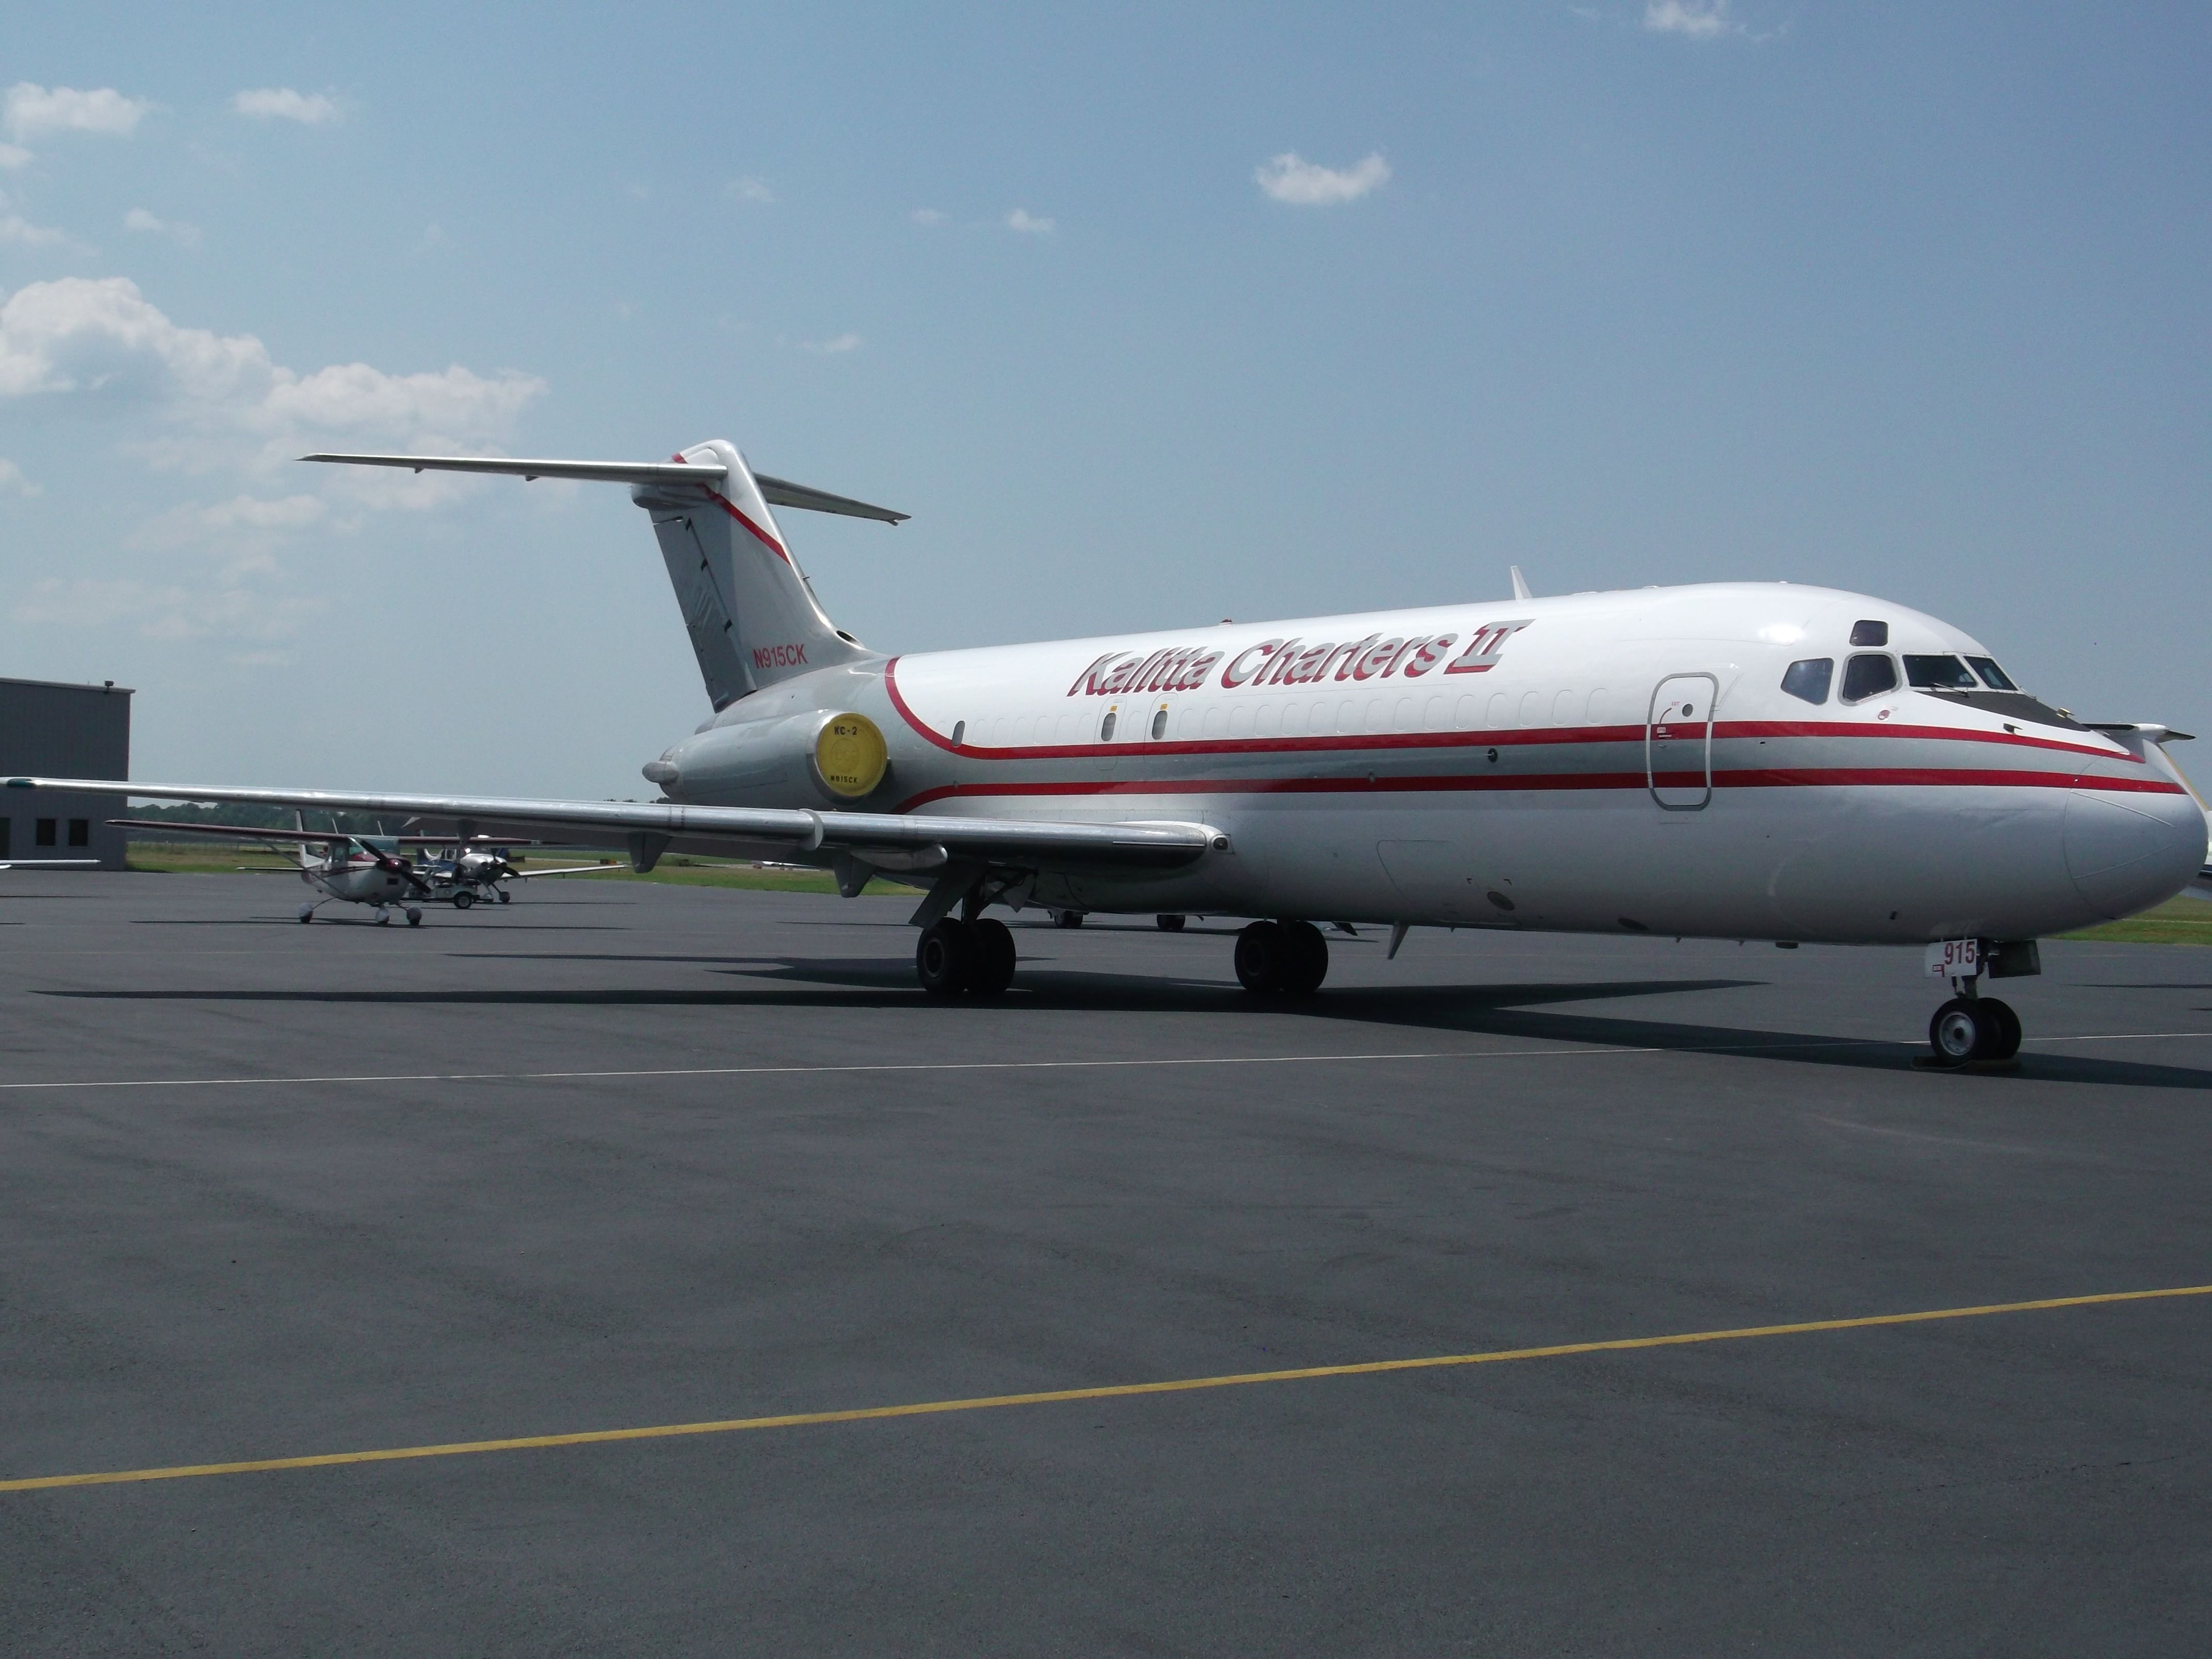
(748, 608)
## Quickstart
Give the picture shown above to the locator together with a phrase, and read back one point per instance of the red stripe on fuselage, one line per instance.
(1724, 730)
(1539, 782)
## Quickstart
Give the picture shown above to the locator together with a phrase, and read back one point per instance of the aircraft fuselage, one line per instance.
(1619, 761)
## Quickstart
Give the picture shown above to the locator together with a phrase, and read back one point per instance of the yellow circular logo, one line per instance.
(850, 756)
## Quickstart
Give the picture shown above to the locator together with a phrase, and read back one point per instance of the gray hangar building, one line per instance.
(63, 731)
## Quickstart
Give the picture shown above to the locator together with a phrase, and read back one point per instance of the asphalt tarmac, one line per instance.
(619, 1156)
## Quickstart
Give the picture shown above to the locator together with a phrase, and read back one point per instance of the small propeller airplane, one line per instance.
(366, 870)
(375, 870)
(467, 872)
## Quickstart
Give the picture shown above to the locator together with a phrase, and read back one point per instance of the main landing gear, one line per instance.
(974, 957)
(1280, 958)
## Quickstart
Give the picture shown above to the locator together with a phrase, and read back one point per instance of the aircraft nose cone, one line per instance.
(2128, 852)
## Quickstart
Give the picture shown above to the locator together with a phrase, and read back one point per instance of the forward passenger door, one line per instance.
(1678, 741)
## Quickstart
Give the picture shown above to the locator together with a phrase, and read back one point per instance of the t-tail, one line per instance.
(749, 610)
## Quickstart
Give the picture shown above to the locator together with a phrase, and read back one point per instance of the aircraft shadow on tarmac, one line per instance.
(1497, 1011)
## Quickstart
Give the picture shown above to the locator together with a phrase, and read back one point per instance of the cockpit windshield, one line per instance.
(1938, 673)
(1992, 676)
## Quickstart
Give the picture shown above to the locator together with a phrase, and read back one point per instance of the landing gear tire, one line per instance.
(1969, 1028)
(413, 917)
(1282, 958)
(992, 969)
(1309, 958)
(1169, 924)
(383, 918)
(944, 958)
(2008, 1028)
(1067, 918)
(307, 912)
(463, 899)
(504, 895)
(1262, 955)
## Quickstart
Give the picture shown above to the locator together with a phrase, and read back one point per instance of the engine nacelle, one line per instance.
(819, 756)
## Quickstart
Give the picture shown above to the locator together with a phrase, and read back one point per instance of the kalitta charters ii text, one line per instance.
(1294, 662)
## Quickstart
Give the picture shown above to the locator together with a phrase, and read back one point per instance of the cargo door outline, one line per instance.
(1678, 741)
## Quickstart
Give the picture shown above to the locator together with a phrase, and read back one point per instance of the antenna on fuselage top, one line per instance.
(1520, 584)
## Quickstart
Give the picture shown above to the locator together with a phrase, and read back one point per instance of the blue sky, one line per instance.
(1906, 299)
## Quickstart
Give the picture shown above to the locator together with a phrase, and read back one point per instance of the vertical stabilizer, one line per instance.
(752, 615)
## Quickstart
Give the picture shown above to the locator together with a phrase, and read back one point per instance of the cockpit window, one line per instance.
(1809, 679)
(1992, 676)
(1868, 676)
(1937, 673)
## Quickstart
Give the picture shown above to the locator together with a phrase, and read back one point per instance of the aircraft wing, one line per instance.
(986, 839)
(565, 870)
(50, 864)
(777, 492)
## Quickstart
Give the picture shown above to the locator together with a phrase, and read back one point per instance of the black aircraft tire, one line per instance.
(463, 899)
(1067, 918)
(504, 895)
(1262, 955)
(1960, 1033)
(1307, 958)
(2008, 1023)
(1169, 924)
(944, 958)
(992, 969)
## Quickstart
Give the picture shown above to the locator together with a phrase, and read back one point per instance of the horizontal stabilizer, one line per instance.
(777, 492)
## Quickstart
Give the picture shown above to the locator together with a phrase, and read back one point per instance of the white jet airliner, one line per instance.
(1731, 760)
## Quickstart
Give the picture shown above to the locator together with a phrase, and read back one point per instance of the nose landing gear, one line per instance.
(1965, 1029)
(1973, 1029)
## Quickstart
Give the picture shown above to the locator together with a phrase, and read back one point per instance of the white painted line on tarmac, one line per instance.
(1583, 1051)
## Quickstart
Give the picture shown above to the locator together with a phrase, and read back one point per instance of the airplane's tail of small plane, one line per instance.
(749, 610)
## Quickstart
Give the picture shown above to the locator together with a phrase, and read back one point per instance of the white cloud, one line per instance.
(1700, 19)
(282, 104)
(927, 216)
(831, 347)
(13, 158)
(166, 610)
(17, 231)
(748, 189)
(30, 109)
(1028, 223)
(144, 223)
(1287, 178)
(217, 401)
(13, 483)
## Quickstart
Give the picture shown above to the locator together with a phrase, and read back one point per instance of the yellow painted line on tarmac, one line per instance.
(1062, 1396)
